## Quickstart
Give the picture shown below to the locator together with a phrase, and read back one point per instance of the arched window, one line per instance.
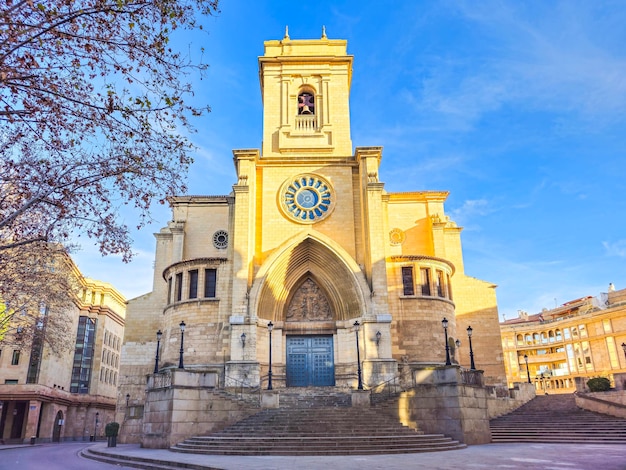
(306, 102)
(520, 340)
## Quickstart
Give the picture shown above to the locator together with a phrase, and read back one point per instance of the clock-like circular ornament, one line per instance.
(306, 198)
(397, 236)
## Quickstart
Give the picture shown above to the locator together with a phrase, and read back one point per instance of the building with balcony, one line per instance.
(560, 349)
(67, 392)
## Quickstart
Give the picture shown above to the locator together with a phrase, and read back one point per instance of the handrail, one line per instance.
(242, 389)
(387, 388)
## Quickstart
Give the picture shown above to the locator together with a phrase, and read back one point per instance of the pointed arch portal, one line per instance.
(306, 268)
(309, 288)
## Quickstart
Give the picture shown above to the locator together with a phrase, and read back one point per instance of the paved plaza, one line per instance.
(490, 456)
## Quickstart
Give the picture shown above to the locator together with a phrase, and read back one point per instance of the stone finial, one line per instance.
(286, 38)
(324, 32)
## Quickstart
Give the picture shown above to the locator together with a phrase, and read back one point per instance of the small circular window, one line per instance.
(220, 239)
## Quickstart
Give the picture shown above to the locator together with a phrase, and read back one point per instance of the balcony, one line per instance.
(306, 124)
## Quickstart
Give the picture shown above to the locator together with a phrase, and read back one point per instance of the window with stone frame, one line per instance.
(425, 281)
(193, 284)
(210, 282)
(441, 288)
(408, 283)
(178, 287)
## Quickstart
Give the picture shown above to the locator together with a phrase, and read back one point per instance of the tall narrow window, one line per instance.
(210, 278)
(178, 286)
(449, 287)
(169, 289)
(83, 355)
(610, 344)
(35, 358)
(425, 279)
(440, 286)
(15, 360)
(193, 284)
(407, 280)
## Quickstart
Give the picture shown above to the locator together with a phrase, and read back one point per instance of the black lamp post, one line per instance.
(378, 336)
(159, 334)
(357, 327)
(95, 428)
(469, 335)
(243, 340)
(182, 340)
(127, 399)
(444, 323)
(270, 327)
(527, 370)
(624, 348)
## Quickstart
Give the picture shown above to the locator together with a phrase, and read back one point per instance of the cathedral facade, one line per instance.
(309, 273)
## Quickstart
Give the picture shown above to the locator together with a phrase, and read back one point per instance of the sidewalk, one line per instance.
(489, 456)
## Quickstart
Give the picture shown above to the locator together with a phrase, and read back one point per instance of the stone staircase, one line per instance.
(557, 419)
(318, 422)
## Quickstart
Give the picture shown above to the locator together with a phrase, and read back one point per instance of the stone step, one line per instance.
(281, 440)
(132, 462)
(557, 419)
(318, 430)
(286, 431)
(323, 448)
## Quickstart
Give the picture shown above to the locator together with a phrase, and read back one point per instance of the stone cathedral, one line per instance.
(310, 273)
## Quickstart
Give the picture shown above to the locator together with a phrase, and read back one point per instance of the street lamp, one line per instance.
(378, 336)
(444, 323)
(469, 335)
(527, 370)
(357, 327)
(127, 399)
(243, 340)
(270, 327)
(182, 340)
(159, 334)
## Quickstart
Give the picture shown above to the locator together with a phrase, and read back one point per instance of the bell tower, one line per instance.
(305, 85)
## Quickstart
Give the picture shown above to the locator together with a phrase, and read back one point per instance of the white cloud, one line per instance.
(615, 249)
(470, 211)
(560, 65)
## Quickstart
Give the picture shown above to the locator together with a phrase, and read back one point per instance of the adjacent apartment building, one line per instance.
(52, 396)
(560, 349)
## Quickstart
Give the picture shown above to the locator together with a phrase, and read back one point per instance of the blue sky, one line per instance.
(517, 108)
